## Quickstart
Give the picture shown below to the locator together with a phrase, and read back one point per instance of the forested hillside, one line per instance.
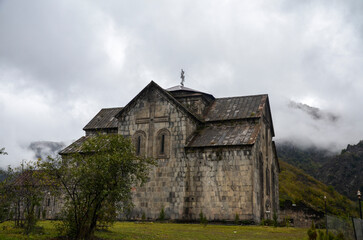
(297, 186)
(343, 171)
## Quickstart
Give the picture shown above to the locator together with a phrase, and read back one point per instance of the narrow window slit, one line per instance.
(162, 149)
(138, 145)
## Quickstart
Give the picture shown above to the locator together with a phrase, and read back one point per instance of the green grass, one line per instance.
(131, 230)
(9, 232)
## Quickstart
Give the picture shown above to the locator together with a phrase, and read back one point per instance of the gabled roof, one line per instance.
(75, 146)
(104, 119)
(226, 135)
(151, 85)
(230, 121)
(35, 178)
(235, 108)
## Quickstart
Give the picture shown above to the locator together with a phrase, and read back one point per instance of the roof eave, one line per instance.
(222, 146)
(269, 110)
(232, 120)
(99, 129)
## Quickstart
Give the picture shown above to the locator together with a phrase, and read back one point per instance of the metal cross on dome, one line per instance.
(182, 78)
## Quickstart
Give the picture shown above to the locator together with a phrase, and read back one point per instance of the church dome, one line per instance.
(181, 91)
(180, 88)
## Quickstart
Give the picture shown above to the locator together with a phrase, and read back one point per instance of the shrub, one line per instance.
(97, 180)
(247, 222)
(321, 235)
(287, 222)
(236, 219)
(312, 232)
(262, 223)
(275, 222)
(162, 214)
(331, 236)
(267, 222)
(202, 218)
(340, 236)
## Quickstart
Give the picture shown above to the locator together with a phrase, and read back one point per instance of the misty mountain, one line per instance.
(310, 159)
(314, 112)
(298, 187)
(343, 171)
(43, 149)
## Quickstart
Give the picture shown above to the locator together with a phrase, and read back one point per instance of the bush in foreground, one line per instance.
(97, 182)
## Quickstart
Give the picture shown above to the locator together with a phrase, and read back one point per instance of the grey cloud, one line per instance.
(43, 149)
(314, 112)
(61, 61)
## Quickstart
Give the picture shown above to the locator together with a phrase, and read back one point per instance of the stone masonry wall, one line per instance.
(219, 184)
(50, 207)
(196, 105)
(265, 174)
(151, 114)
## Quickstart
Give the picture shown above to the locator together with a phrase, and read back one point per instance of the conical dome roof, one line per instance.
(180, 88)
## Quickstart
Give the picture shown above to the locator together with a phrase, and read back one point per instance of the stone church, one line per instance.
(214, 155)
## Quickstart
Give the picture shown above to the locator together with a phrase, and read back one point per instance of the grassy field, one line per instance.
(155, 231)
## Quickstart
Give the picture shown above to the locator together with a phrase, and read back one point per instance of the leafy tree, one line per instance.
(21, 194)
(6, 195)
(30, 192)
(97, 181)
(28, 188)
(2, 151)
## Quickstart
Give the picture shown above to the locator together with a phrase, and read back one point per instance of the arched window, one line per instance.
(162, 147)
(139, 141)
(260, 171)
(138, 145)
(163, 143)
(267, 181)
(273, 188)
(261, 184)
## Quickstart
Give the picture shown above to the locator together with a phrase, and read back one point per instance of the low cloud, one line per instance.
(62, 61)
(314, 112)
(43, 149)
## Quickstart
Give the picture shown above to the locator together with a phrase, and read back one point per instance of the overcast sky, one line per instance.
(62, 61)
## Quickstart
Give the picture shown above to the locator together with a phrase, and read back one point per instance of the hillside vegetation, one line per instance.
(343, 171)
(297, 186)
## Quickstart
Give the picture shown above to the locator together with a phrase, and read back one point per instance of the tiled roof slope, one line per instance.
(104, 119)
(216, 131)
(234, 108)
(32, 177)
(226, 135)
(75, 146)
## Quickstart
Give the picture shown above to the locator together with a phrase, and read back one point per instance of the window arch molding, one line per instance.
(163, 143)
(139, 141)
